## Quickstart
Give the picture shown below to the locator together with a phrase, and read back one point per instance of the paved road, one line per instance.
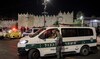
(8, 50)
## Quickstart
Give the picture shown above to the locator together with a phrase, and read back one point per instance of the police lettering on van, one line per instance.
(75, 40)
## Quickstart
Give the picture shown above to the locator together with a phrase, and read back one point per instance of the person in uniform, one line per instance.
(59, 45)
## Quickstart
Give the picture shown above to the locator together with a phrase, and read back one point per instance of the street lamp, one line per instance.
(48, 0)
(44, 12)
(82, 19)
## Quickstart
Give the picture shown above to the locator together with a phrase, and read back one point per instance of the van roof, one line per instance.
(68, 27)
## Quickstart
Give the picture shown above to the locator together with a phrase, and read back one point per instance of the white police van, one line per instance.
(75, 40)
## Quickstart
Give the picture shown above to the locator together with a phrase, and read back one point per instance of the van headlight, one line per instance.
(24, 41)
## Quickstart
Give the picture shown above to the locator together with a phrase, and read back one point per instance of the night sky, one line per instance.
(11, 8)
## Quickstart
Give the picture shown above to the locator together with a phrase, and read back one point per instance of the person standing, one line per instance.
(59, 45)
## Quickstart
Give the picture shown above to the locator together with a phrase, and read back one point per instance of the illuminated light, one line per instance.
(9, 31)
(45, 1)
(14, 29)
(81, 17)
(48, 0)
(24, 41)
(95, 20)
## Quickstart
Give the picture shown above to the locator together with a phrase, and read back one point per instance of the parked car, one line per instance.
(30, 31)
(13, 33)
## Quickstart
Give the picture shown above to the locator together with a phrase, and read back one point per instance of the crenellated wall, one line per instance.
(7, 23)
(30, 20)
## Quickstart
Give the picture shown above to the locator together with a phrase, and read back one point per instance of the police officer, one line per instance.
(59, 45)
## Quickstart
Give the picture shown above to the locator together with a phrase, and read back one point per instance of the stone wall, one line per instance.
(30, 20)
(7, 23)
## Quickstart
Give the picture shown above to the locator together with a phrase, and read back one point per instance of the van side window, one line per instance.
(69, 32)
(76, 32)
(85, 32)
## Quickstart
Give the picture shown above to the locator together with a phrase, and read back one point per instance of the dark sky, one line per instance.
(8, 8)
(11, 8)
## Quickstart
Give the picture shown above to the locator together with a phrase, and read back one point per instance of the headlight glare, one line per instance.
(24, 41)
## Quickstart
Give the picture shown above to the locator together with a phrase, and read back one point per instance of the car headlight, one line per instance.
(9, 31)
(24, 41)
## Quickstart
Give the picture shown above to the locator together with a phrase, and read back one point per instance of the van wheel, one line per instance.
(84, 50)
(33, 54)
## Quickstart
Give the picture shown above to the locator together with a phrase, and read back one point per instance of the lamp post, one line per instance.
(82, 20)
(44, 12)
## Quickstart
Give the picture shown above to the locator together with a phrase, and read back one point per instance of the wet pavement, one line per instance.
(8, 50)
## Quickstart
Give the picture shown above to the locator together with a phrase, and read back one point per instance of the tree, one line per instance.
(77, 22)
(79, 18)
(56, 23)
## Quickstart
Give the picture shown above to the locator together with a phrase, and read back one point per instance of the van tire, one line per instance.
(33, 54)
(85, 50)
